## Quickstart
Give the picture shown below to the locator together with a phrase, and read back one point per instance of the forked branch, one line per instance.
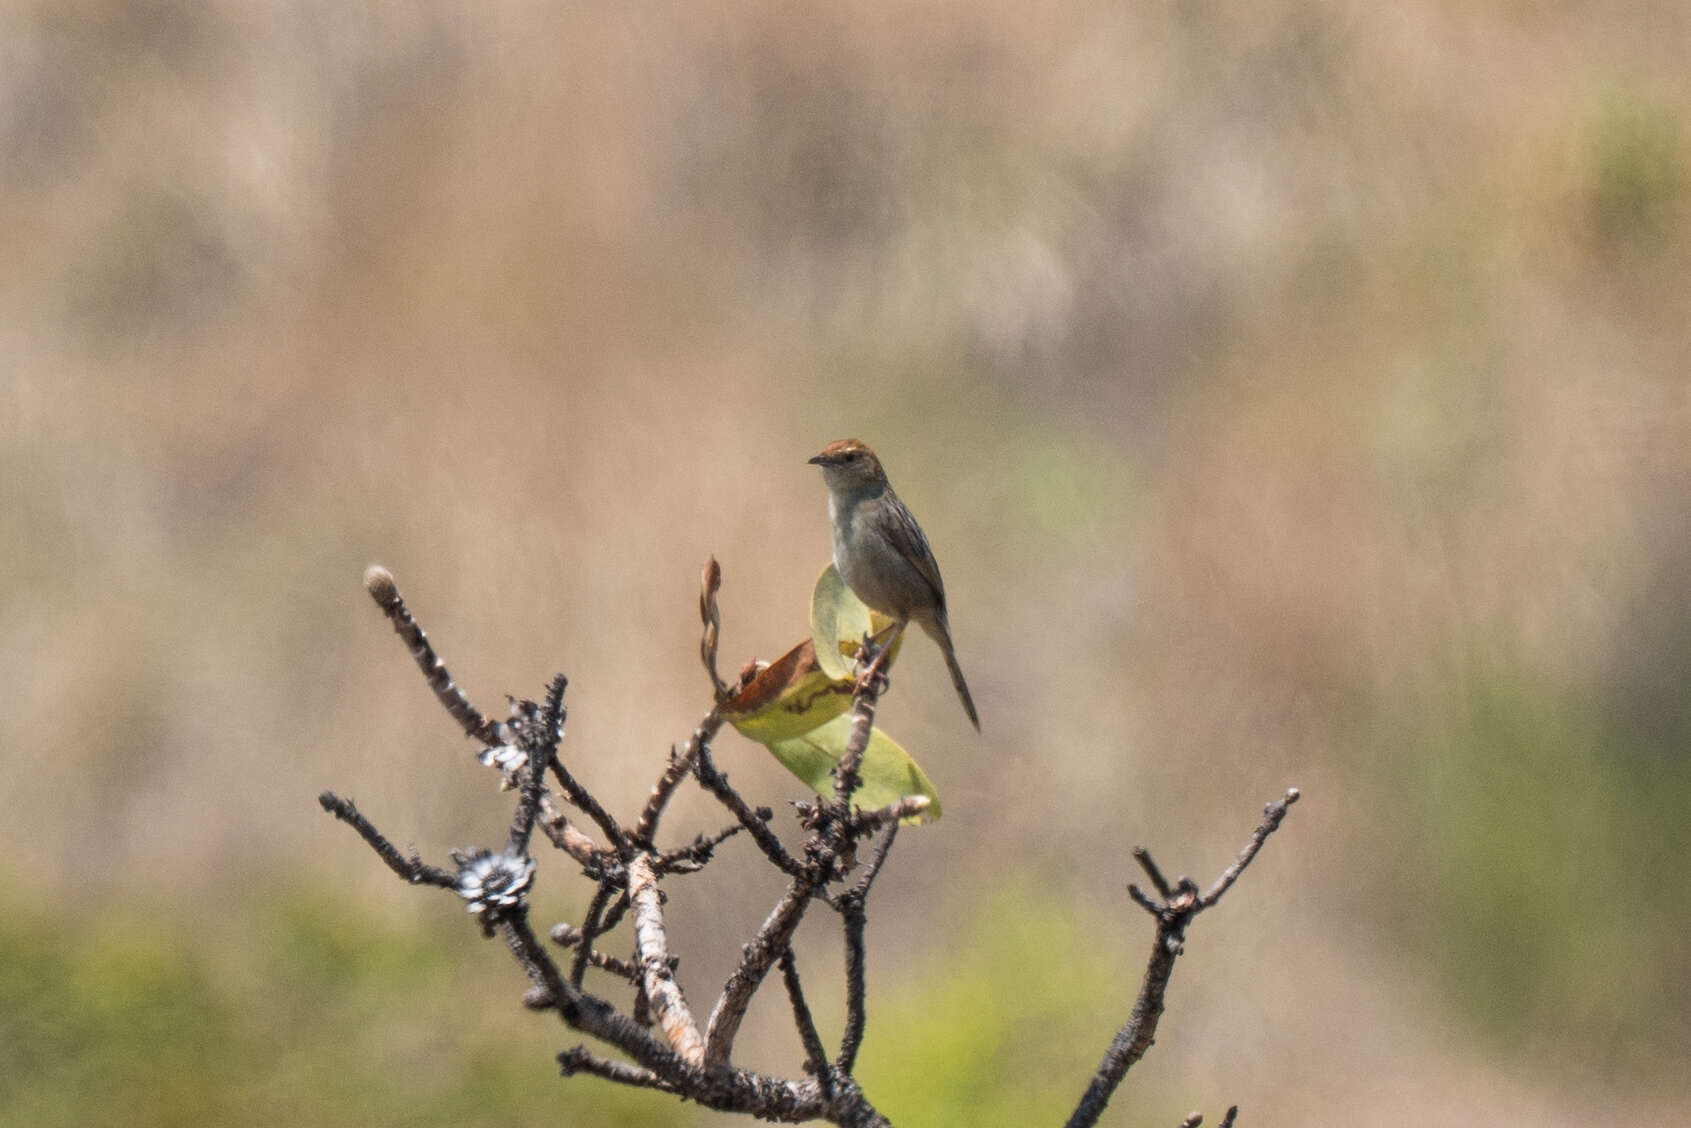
(1180, 903)
(626, 865)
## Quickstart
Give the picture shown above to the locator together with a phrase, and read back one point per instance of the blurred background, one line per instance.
(1294, 393)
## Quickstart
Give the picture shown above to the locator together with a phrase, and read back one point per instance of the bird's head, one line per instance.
(849, 465)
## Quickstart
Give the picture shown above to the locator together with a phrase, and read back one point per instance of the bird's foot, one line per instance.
(874, 676)
(876, 649)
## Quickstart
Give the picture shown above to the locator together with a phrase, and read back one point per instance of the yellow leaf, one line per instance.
(838, 622)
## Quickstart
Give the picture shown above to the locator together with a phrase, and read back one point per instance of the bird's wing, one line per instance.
(906, 537)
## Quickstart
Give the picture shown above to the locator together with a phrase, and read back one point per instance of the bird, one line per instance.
(881, 554)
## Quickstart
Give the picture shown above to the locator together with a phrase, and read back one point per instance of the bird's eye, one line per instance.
(851, 456)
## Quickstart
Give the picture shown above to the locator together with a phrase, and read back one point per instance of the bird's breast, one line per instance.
(869, 564)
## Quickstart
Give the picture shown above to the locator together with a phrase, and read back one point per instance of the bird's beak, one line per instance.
(819, 460)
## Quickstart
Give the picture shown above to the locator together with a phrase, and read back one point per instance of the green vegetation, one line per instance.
(1531, 818)
(1009, 1028)
(306, 1014)
(1637, 171)
(302, 1014)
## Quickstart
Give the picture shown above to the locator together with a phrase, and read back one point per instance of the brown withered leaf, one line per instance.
(788, 697)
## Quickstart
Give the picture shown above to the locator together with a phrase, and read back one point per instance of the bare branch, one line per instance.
(582, 1011)
(846, 775)
(568, 936)
(864, 823)
(877, 859)
(646, 829)
(413, 869)
(657, 973)
(628, 868)
(1133, 1039)
(548, 988)
(539, 741)
(857, 991)
(614, 914)
(581, 1060)
(378, 581)
(851, 906)
(563, 834)
(755, 961)
(1158, 881)
(1272, 814)
(1196, 1119)
(756, 822)
(816, 1058)
(1183, 902)
(592, 927)
(692, 857)
(582, 800)
(1144, 901)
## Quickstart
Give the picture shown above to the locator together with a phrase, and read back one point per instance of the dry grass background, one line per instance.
(1294, 393)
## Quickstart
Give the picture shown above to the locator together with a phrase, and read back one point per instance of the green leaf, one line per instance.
(838, 622)
(889, 774)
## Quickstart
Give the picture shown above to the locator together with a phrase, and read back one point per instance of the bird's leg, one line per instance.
(892, 629)
(882, 649)
(872, 644)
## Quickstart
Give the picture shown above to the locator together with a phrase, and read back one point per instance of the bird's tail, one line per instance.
(941, 632)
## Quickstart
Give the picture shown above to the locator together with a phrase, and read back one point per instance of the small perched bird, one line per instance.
(880, 552)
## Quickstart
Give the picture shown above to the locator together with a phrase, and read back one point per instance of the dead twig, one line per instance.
(1181, 903)
(673, 1055)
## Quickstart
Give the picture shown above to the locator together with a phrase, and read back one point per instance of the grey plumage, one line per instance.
(882, 554)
